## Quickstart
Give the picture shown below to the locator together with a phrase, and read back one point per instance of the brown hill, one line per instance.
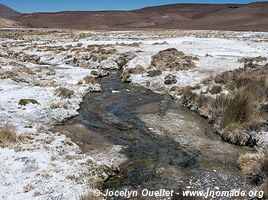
(253, 16)
(8, 13)
(8, 23)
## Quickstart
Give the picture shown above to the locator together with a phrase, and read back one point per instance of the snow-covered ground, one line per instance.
(47, 165)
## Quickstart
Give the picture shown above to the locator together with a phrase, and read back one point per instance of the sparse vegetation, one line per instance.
(8, 135)
(255, 167)
(238, 109)
(236, 113)
(55, 105)
(24, 102)
(64, 92)
(216, 89)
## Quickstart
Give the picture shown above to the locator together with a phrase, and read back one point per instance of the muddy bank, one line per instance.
(162, 145)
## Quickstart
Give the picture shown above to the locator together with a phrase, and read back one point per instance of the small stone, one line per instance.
(170, 79)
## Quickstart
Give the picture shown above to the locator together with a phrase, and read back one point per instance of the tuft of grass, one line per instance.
(236, 134)
(187, 95)
(64, 92)
(216, 89)
(255, 167)
(24, 102)
(257, 87)
(239, 108)
(241, 105)
(55, 105)
(8, 135)
(218, 105)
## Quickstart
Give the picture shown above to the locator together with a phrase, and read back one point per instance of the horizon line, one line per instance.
(139, 8)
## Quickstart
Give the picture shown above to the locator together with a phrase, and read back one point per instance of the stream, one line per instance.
(166, 146)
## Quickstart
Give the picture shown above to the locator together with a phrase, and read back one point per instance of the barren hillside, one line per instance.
(247, 17)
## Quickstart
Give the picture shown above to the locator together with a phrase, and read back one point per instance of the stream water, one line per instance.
(166, 146)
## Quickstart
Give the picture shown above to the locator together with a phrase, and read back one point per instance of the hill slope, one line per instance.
(7, 23)
(253, 17)
(8, 13)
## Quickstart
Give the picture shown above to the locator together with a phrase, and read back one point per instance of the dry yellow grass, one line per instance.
(8, 135)
(250, 162)
(255, 167)
(55, 105)
(240, 111)
(64, 92)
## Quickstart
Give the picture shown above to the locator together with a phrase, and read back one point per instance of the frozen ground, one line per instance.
(33, 65)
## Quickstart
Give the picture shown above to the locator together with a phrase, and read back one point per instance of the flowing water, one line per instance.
(166, 146)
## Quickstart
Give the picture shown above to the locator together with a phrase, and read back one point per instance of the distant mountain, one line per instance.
(247, 17)
(8, 13)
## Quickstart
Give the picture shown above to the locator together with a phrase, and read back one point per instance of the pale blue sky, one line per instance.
(60, 5)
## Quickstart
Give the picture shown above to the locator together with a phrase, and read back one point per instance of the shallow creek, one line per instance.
(166, 146)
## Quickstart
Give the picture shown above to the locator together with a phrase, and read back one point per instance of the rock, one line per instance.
(154, 72)
(125, 77)
(123, 59)
(170, 79)
(137, 70)
(99, 73)
(109, 64)
(89, 80)
(95, 87)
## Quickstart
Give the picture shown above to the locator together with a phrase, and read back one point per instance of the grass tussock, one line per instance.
(255, 167)
(240, 110)
(235, 114)
(55, 105)
(8, 135)
(64, 92)
(244, 101)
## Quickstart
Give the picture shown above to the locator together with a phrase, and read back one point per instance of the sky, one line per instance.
(60, 5)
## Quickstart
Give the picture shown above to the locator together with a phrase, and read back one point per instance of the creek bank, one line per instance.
(162, 145)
